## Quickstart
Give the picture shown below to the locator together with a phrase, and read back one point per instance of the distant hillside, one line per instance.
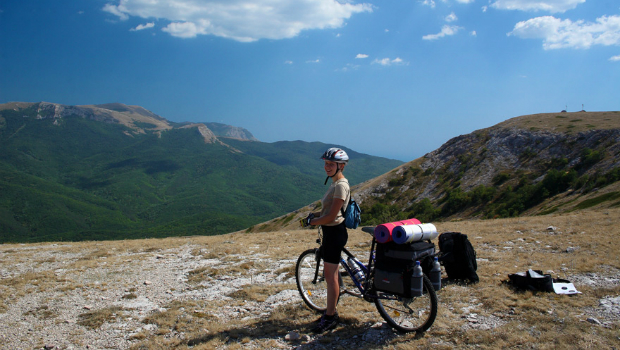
(113, 171)
(535, 164)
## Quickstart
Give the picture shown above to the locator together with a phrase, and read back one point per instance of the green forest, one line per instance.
(77, 179)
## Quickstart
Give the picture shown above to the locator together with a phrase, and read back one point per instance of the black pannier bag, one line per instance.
(394, 265)
(458, 257)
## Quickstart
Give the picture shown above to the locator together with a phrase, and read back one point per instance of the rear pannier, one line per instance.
(395, 263)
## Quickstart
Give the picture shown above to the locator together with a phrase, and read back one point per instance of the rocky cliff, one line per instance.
(583, 148)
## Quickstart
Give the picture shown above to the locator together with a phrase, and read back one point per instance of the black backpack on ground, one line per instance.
(458, 257)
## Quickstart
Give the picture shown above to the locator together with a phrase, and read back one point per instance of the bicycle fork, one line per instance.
(317, 258)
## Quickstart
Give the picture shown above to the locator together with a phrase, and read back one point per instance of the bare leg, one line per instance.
(333, 289)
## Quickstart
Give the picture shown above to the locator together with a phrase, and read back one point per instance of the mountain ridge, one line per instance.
(527, 165)
(136, 118)
(93, 173)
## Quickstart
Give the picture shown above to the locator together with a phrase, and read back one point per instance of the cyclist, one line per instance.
(335, 234)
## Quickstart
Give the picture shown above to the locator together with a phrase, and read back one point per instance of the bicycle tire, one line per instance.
(313, 294)
(415, 314)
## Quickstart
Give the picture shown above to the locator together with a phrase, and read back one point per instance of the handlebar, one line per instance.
(369, 229)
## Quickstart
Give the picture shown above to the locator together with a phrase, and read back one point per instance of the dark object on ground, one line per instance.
(458, 257)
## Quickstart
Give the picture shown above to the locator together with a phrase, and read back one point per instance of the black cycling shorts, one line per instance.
(334, 239)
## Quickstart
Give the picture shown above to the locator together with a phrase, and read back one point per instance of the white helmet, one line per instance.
(335, 155)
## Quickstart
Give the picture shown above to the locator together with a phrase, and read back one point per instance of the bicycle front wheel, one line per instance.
(409, 314)
(311, 280)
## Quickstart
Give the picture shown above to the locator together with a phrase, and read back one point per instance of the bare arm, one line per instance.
(331, 215)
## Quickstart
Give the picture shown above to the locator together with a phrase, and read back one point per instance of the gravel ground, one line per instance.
(48, 314)
(47, 289)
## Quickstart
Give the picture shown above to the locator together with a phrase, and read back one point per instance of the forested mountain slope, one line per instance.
(114, 171)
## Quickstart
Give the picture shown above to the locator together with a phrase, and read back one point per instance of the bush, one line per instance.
(380, 213)
(500, 178)
(590, 157)
(424, 211)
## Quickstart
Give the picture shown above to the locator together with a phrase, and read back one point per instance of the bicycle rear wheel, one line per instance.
(313, 292)
(415, 314)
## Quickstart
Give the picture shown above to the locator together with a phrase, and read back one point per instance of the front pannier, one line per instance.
(394, 265)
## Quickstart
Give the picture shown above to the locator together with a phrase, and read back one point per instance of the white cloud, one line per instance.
(288, 62)
(465, 1)
(348, 67)
(313, 61)
(361, 55)
(445, 31)
(484, 9)
(558, 34)
(430, 3)
(117, 11)
(473, 33)
(144, 26)
(190, 29)
(241, 20)
(615, 58)
(451, 17)
(388, 61)
(552, 6)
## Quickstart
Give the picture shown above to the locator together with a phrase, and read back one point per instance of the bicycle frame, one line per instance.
(362, 286)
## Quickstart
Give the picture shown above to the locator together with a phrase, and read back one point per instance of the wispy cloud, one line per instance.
(288, 62)
(552, 6)
(558, 34)
(430, 3)
(119, 11)
(446, 30)
(361, 55)
(144, 26)
(451, 17)
(389, 62)
(245, 21)
(348, 67)
(313, 61)
(615, 58)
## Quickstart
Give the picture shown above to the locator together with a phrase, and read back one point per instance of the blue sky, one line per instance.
(392, 78)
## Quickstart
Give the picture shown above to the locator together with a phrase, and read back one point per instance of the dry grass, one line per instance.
(572, 122)
(95, 319)
(583, 246)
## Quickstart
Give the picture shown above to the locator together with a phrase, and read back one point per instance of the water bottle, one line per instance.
(357, 271)
(416, 280)
(435, 274)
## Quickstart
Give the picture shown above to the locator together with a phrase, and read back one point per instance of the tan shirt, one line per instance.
(338, 189)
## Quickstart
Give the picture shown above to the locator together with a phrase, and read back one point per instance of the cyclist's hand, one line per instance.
(306, 222)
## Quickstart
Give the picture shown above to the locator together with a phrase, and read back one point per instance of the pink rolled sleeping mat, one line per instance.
(383, 232)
